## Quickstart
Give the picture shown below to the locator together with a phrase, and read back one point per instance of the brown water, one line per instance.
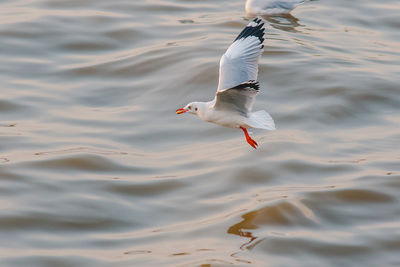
(97, 170)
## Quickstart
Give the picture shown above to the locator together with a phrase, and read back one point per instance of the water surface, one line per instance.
(97, 170)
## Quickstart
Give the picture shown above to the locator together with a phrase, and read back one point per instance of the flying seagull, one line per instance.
(237, 87)
(271, 7)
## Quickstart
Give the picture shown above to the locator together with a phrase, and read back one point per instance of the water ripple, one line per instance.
(96, 169)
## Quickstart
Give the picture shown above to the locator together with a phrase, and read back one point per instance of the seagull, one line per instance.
(237, 86)
(271, 7)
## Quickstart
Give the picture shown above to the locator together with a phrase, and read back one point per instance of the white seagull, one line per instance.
(237, 87)
(271, 7)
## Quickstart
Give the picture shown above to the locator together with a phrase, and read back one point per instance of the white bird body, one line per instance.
(271, 7)
(237, 86)
(221, 117)
(259, 119)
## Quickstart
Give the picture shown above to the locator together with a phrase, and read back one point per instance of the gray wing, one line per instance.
(289, 5)
(240, 62)
(239, 98)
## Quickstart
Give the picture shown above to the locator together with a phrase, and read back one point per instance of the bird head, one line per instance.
(192, 107)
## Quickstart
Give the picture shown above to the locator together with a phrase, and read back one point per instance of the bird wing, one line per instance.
(240, 62)
(285, 5)
(239, 98)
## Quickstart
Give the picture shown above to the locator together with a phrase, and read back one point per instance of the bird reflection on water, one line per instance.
(285, 22)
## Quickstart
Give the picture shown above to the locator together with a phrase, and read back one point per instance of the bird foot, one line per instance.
(252, 142)
(249, 139)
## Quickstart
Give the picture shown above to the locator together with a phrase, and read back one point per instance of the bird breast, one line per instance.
(223, 118)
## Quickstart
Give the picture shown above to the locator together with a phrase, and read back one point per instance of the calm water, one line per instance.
(97, 170)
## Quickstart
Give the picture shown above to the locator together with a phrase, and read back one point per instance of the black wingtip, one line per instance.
(257, 20)
(253, 84)
(253, 30)
(249, 84)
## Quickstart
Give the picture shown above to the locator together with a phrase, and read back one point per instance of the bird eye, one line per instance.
(189, 107)
(195, 109)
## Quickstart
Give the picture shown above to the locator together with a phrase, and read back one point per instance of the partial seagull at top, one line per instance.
(237, 86)
(271, 7)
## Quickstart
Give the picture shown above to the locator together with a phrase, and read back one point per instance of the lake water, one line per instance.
(96, 169)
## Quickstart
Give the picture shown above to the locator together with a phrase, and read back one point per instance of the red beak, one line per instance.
(181, 110)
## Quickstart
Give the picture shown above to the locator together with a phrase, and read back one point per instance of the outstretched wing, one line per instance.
(239, 98)
(240, 62)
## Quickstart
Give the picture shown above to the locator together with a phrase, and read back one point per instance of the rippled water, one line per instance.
(97, 170)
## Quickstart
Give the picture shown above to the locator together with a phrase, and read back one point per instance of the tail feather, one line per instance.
(261, 119)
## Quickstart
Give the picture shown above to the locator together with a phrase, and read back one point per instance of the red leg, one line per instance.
(248, 138)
